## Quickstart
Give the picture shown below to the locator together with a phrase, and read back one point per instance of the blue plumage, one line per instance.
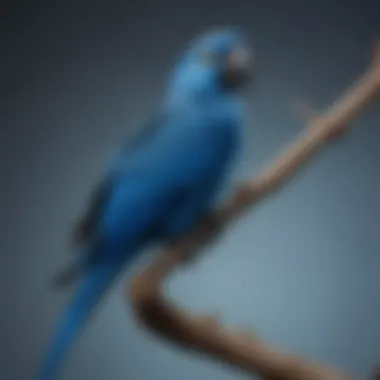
(164, 180)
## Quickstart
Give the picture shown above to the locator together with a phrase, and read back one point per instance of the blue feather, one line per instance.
(160, 184)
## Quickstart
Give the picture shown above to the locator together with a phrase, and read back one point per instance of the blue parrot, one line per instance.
(162, 181)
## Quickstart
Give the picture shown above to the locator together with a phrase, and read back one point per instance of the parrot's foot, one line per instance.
(210, 226)
(212, 223)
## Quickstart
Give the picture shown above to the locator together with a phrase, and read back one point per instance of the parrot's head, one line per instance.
(217, 62)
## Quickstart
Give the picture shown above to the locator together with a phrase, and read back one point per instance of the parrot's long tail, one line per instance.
(95, 280)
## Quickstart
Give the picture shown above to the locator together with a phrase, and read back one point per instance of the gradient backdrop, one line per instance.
(303, 270)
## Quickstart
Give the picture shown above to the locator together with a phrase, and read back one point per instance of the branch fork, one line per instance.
(206, 334)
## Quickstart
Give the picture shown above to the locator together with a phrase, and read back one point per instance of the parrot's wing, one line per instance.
(85, 230)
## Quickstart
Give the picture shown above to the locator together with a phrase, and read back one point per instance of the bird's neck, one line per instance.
(203, 100)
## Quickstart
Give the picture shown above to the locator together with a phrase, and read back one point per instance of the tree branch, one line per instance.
(205, 334)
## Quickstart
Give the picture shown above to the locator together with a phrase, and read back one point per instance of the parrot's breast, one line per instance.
(203, 144)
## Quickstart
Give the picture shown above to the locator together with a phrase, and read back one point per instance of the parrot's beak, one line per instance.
(238, 69)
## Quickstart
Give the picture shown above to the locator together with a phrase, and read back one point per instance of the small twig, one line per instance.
(205, 334)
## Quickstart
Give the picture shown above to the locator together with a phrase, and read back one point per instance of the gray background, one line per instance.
(302, 269)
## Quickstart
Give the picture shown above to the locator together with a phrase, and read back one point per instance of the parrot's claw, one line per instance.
(212, 222)
(209, 223)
